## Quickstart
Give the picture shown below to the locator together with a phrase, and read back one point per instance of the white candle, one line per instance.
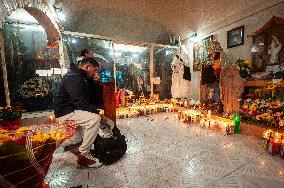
(212, 124)
(207, 124)
(51, 118)
(185, 104)
(209, 114)
(224, 126)
(202, 122)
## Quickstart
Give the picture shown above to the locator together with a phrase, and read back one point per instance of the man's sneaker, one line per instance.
(70, 142)
(88, 160)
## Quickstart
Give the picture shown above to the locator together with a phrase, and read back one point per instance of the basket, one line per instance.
(24, 160)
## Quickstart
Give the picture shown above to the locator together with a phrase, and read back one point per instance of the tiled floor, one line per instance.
(165, 153)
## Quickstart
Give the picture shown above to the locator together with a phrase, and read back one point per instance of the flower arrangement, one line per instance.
(26, 154)
(261, 106)
(8, 113)
(245, 67)
(38, 137)
(10, 117)
(34, 87)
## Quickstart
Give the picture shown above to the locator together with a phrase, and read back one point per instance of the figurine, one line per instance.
(140, 83)
(274, 50)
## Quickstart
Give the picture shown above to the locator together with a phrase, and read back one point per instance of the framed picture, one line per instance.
(235, 37)
(200, 52)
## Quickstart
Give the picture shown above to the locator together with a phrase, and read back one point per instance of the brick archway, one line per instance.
(40, 10)
(43, 12)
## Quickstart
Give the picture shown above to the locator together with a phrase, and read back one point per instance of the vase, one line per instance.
(18, 168)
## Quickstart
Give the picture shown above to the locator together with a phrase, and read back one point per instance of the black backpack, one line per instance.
(110, 150)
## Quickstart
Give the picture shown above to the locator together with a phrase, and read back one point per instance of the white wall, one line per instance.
(121, 26)
(253, 19)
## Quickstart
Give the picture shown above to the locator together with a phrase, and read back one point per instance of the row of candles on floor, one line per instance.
(136, 111)
(226, 126)
(274, 142)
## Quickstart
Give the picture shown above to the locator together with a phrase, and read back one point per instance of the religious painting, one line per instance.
(200, 52)
(235, 37)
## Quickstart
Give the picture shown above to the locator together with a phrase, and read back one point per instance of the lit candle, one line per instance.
(185, 104)
(207, 124)
(209, 114)
(51, 118)
(144, 111)
(202, 122)
(224, 126)
(212, 124)
(237, 122)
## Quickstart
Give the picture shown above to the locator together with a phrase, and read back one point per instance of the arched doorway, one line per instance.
(19, 52)
(40, 10)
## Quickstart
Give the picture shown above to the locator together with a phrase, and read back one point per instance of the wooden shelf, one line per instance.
(260, 83)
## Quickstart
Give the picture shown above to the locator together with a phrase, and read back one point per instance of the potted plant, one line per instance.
(10, 117)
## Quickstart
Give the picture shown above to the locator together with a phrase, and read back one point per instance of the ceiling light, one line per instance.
(128, 48)
(168, 52)
(59, 12)
(135, 55)
(61, 16)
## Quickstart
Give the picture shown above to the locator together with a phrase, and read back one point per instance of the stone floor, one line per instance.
(165, 153)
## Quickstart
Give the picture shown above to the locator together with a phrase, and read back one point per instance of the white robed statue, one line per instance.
(273, 51)
(180, 87)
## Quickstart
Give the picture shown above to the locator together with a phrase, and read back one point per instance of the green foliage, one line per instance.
(9, 114)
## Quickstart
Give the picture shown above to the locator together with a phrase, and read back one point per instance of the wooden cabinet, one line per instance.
(109, 101)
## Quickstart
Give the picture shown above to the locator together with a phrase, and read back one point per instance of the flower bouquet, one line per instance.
(262, 106)
(26, 153)
(245, 68)
(35, 93)
(10, 117)
(34, 87)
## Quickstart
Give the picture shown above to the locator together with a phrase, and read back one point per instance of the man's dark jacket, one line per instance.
(73, 94)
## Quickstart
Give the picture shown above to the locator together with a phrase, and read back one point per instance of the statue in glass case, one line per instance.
(274, 50)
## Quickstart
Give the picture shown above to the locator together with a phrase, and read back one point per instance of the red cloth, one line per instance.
(117, 96)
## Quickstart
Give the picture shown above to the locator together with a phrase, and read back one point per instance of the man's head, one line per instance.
(86, 53)
(90, 66)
